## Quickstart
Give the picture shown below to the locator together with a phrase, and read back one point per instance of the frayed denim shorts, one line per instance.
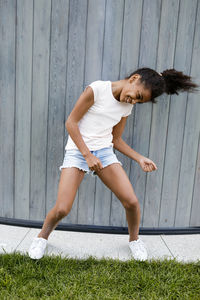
(74, 158)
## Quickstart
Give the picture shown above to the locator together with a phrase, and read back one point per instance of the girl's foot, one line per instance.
(138, 250)
(37, 248)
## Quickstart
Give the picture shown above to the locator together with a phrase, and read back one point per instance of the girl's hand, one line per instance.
(93, 162)
(147, 164)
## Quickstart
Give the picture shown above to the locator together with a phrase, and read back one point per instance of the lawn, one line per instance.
(65, 278)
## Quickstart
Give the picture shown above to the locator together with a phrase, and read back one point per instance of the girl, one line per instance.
(95, 126)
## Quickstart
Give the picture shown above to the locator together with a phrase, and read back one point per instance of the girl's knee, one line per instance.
(131, 203)
(61, 212)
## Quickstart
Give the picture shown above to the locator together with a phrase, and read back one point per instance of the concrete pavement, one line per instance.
(80, 245)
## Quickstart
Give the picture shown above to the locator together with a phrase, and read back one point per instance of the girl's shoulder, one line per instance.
(98, 83)
(99, 86)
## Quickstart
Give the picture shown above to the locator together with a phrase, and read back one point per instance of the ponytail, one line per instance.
(177, 81)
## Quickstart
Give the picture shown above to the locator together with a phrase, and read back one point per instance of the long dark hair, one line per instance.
(169, 81)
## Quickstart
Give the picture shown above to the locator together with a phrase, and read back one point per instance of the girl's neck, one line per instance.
(117, 87)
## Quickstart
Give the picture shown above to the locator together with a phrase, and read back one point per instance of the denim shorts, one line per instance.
(74, 158)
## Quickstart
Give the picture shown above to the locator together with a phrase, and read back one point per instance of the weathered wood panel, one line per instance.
(50, 50)
(7, 107)
(177, 110)
(160, 110)
(129, 61)
(39, 117)
(195, 207)
(24, 15)
(75, 79)
(165, 60)
(143, 113)
(190, 139)
(111, 69)
(194, 219)
(57, 100)
(93, 71)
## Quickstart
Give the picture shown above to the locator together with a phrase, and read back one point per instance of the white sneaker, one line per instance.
(138, 250)
(37, 248)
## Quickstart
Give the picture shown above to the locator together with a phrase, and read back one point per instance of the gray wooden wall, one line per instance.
(49, 52)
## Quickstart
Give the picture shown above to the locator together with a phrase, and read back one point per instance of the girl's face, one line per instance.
(134, 91)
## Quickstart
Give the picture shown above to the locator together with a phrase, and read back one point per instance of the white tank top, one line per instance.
(97, 123)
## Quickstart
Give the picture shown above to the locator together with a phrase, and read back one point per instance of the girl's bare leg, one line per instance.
(70, 180)
(116, 179)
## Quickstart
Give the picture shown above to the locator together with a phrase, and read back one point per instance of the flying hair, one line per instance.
(170, 81)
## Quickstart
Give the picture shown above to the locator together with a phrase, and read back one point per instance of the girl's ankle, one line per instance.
(40, 236)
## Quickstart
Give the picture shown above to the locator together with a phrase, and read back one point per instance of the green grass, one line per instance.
(65, 278)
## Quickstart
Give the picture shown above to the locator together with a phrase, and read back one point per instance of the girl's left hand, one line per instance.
(147, 164)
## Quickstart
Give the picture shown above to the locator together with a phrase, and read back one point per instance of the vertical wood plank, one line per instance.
(57, 86)
(165, 55)
(93, 66)
(190, 139)
(142, 122)
(194, 218)
(40, 91)
(177, 111)
(110, 71)
(23, 107)
(74, 84)
(7, 107)
(165, 62)
(129, 61)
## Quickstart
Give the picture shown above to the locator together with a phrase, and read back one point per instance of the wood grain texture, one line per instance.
(50, 51)
(177, 111)
(160, 110)
(7, 107)
(195, 204)
(39, 113)
(24, 47)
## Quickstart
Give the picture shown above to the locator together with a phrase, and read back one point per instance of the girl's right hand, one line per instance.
(93, 162)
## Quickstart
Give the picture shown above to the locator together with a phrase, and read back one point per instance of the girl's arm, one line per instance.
(119, 144)
(124, 148)
(85, 101)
